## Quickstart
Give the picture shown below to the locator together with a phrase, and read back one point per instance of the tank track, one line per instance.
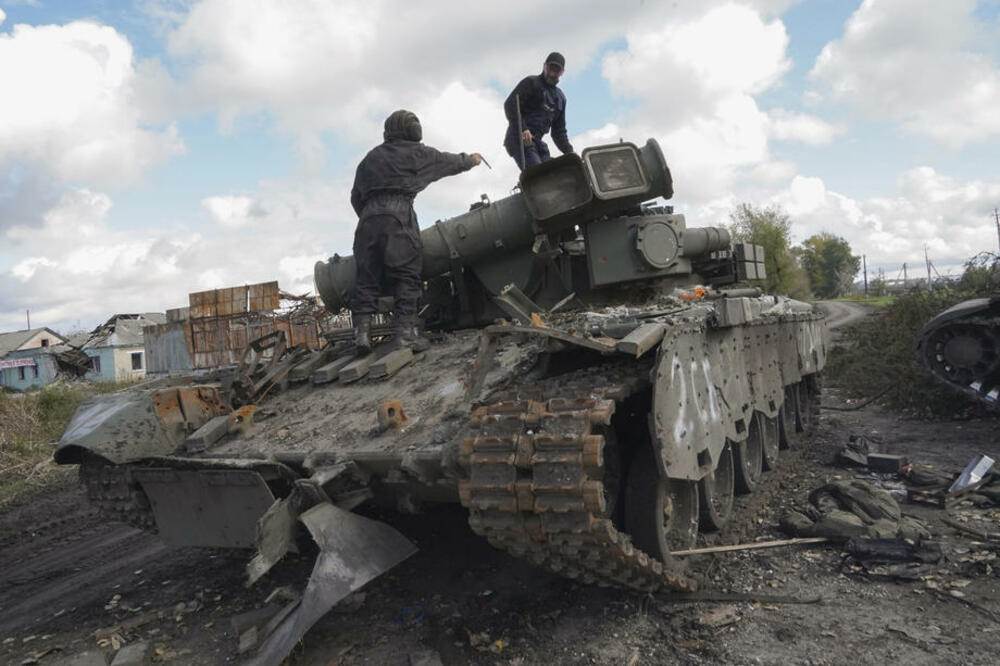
(991, 330)
(535, 488)
(110, 489)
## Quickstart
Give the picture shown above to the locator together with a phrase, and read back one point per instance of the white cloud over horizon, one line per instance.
(91, 119)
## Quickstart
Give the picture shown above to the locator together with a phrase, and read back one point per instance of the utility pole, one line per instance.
(904, 275)
(996, 216)
(864, 262)
(927, 260)
(27, 314)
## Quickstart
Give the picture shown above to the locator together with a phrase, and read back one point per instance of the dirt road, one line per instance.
(69, 583)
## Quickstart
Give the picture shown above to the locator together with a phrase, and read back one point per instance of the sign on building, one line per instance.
(17, 363)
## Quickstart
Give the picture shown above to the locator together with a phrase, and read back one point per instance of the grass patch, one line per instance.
(30, 426)
(873, 301)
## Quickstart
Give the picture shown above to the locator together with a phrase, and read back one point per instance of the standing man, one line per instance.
(543, 108)
(387, 246)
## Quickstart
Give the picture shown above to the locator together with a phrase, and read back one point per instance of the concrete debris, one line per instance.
(356, 369)
(215, 429)
(391, 363)
(331, 371)
(132, 655)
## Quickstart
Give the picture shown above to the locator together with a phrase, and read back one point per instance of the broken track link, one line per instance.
(111, 490)
(534, 489)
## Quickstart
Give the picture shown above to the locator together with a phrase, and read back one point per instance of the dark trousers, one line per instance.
(536, 153)
(388, 256)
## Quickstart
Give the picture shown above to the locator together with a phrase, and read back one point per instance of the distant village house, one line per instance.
(27, 358)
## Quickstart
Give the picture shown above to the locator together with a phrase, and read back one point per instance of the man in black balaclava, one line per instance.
(543, 107)
(387, 246)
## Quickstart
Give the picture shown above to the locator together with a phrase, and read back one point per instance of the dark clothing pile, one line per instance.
(543, 108)
(387, 246)
(843, 510)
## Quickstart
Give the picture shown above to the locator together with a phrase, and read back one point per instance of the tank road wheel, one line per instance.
(788, 419)
(660, 514)
(749, 458)
(716, 490)
(771, 440)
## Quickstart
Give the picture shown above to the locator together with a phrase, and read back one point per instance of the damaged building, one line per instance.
(218, 324)
(116, 347)
(33, 358)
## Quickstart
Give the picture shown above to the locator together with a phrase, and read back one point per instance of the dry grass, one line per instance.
(30, 426)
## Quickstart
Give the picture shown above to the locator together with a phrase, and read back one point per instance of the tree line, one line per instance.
(822, 266)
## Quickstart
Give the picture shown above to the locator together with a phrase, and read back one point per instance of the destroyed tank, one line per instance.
(961, 348)
(602, 380)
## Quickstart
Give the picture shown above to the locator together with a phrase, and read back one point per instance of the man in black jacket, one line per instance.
(387, 246)
(543, 108)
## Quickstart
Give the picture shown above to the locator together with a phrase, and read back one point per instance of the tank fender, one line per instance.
(135, 424)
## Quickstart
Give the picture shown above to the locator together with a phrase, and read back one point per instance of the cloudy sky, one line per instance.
(152, 149)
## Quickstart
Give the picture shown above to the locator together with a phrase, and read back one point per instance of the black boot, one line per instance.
(405, 333)
(362, 332)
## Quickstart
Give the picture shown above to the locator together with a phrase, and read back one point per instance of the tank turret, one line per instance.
(579, 223)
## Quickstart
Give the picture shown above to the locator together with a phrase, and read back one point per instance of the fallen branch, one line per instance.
(853, 408)
(981, 534)
(750, 546)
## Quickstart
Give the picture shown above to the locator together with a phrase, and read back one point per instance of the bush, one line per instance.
(30, 425)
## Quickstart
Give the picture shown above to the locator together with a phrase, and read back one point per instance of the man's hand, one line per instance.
(527, 138)
(476, 158)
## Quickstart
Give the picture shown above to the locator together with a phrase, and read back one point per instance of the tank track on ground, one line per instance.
(535, 482)
(110, 489)
(989, 328)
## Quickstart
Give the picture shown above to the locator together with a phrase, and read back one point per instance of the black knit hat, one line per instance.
(557, 58)
(403, 124)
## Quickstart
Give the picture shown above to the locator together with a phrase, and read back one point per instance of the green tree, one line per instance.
(829, 263)
(877, 287)
(771, 229)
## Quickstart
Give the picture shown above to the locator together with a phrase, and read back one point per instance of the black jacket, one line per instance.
(543, 108)
(391, 174)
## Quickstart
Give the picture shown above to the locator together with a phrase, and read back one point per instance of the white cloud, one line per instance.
(953, 218)
(692, 81)
(924, 64)
(792, 126)
(232, 211)
(77, 265)
(70, 106)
